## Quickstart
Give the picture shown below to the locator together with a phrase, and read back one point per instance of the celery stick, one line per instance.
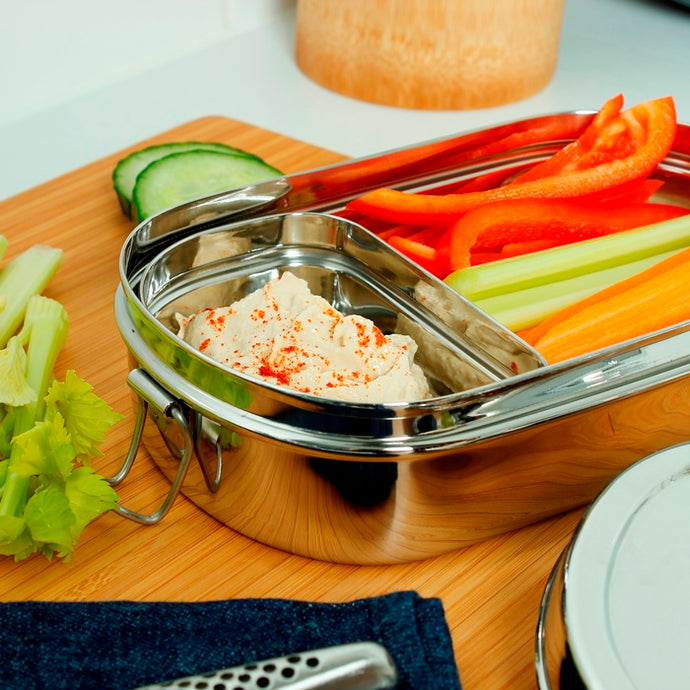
(525, 308)
(26, 275)
(46, 327)
(580, 258)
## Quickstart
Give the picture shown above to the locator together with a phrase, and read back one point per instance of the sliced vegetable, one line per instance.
(595, 145)
(45, 498)
(560, 263)
(649, 129)
(560, 221)
(527, 247)
(181, 177)
(27, 274)
(633, 192)
(127, 170)
(646, 302)
(531, 308)
(48, 430)
(422, 254)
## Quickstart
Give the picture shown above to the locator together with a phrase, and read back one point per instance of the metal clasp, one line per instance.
(150, 393)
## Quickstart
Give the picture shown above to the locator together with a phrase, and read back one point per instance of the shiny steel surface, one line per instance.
(355, 666)
(615, 610)
(398, 482)
(428, 164)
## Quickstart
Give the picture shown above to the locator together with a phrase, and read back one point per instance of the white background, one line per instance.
(80, 79)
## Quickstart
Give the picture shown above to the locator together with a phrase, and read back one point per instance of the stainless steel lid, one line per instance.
(622, 590)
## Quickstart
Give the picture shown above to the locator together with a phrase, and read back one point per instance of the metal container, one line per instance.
(494, 450)
(616, 610)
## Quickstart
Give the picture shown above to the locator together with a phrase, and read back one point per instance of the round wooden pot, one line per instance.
(439, 54)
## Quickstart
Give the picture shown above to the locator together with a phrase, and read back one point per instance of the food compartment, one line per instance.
(459, 347)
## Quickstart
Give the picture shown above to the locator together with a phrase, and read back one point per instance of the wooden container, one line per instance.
(445, 54)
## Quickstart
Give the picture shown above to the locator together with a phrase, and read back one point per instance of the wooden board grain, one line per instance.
(491, 591)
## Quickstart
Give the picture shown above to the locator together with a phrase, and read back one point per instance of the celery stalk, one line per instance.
(26, 275)
(45, 328)
(577, 259)
(48, 429)
(525, 308)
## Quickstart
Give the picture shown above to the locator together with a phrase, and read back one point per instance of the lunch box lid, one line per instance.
(626, 605)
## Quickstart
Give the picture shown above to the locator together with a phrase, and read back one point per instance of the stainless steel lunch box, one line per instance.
(494, 449)
(616, 610)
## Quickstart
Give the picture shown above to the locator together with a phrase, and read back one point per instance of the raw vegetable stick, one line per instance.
(571, 156)
(561, 220)
(668, 262)
(26, 275)
(649, 301)
(532, 307)
(656, 120)
(45, 331)
(580, 258)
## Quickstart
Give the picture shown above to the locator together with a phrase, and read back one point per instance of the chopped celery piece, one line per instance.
(48, 429)
(525, 308)
(45, 329)
(26, 275)
(579, 258)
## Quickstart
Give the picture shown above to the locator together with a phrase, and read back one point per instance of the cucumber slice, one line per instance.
(126, 171)
(180, 177)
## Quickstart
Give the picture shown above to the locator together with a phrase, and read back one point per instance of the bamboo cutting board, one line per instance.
(491, 591)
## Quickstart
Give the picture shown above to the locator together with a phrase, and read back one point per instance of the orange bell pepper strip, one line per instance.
(422, 254)
(650, 125)
(563, 221)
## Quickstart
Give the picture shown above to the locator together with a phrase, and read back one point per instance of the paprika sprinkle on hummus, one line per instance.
(287, 336)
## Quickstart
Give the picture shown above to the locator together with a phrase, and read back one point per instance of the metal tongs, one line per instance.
(354, 666)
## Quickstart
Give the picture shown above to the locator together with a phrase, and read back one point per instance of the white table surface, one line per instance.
(80, 79)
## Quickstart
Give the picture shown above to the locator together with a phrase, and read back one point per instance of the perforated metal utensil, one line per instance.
(355, 666)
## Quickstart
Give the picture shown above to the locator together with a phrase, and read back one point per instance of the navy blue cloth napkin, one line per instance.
(119, 645)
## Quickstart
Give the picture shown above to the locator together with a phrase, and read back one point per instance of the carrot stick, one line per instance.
(534, 334)
(650, 300)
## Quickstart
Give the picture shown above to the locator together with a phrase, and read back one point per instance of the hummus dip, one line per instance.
(286, 335)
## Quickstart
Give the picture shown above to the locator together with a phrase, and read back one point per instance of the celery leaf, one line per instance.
(45, 449)
(50, 520)
(87, 417)
(90, 495)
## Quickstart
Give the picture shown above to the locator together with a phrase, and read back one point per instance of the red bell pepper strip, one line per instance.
(430, 236)
(396, 230)
(635, 191)
(651, 125)
(491, 226)
(527, 247)
(571, 156)
(484, 258)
